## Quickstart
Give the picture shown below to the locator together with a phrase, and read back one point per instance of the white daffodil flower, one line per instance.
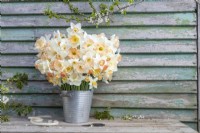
(78, 56)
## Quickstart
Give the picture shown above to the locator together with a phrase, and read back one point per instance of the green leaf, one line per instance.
(4, 89)
(4, 118)
(19, 79)
(131, 1)
(103, 115)
(111, 8)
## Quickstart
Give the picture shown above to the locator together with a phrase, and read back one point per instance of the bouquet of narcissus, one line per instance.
(76, 61)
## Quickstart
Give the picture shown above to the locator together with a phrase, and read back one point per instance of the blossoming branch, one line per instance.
(97, 16)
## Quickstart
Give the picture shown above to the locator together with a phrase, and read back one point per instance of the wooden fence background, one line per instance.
(157, 77)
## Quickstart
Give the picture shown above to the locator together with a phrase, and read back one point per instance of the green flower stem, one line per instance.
(83, 87)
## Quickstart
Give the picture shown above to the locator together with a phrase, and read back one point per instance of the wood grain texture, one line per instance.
(142, 73)
(145, 46)
(198, 65)
(116, 87)
(193, 125)
(181, 101)
(127, 60)
(183, 115)
(172, 19)
(117, 122)
(129, 33)
(136, 121)
(59, 7)
(188, 117)
(115, 126)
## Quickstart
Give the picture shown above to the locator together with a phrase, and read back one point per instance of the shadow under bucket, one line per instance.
(77, 105)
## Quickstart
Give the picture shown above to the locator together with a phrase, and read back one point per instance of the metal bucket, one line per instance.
(76, 105)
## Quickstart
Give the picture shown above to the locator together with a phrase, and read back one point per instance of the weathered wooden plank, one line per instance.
(118, 20)
(192, 125)
(17, 47)
(127, 60)
(119, 123)
(43, 129)
(142, 73)
(198, 65)
(147, 87)
(39, 7)
(123, 32)
(113, 100)
(159, 101)
(157, 128)
(116, 126)
(158, 60)
(118, 87)
(15, 120)
(159, 46)
(183, 115)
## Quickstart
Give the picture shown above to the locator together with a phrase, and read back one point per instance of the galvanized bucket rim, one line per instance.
(66, 93)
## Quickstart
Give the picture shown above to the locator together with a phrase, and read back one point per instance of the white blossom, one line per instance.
(4, 99)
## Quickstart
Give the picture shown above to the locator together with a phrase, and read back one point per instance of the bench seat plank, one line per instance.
(22, 125)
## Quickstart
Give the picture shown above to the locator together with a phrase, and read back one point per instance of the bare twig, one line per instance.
(127, 6)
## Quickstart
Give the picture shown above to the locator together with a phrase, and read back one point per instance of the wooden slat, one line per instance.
(192, 125)
(113, 100)
(183, 115)
(127, 60)
(118, 20)
(116, 126)
(146, 73)
(118, 87)
(59, 7)
(118, 122)
(198, 65)
(188, 117)
(176, 46)
(123, 32)
(160, 101)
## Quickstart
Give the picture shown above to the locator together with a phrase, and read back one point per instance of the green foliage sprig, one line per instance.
(20, 109)
(18, 80)
(96, 17)
(4, 118)
(103, 115)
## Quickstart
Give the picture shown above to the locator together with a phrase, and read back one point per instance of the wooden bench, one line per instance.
(22, 125)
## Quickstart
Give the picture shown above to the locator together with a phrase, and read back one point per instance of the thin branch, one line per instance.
(127, 6)
(94, 18)
(118, 6)
(72, 8)
(92, 6)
